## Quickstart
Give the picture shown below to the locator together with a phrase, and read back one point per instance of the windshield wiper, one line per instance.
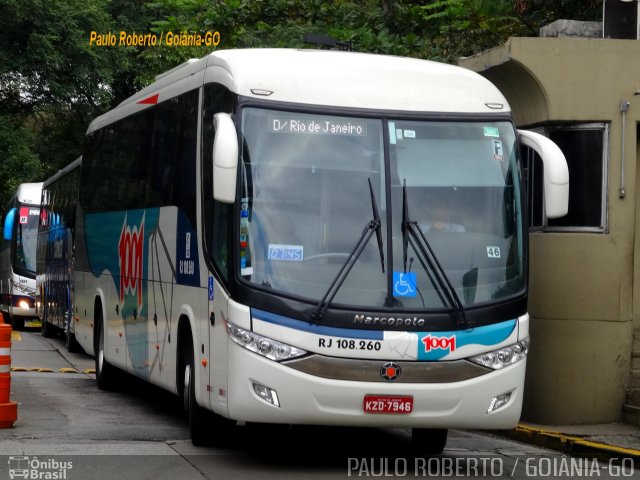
(378, 226)
(412, 234)
(374, 225)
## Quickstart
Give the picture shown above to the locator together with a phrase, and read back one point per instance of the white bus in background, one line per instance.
(18, 254)
(255, 234)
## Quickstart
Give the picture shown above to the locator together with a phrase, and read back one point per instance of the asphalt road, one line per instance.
(68, 429)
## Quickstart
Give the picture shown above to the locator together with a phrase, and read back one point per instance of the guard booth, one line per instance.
(581, 87)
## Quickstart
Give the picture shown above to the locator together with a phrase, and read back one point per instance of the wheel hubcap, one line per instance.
(187, 387)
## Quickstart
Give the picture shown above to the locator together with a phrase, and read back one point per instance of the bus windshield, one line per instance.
(305, 201)
(26, 238)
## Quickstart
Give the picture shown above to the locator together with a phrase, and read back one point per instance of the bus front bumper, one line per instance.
(303, 398)
(22, 306)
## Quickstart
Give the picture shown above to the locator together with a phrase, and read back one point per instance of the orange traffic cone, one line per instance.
(8, 409)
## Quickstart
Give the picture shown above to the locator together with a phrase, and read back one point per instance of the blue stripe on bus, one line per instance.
(488, 335)
(317, 329)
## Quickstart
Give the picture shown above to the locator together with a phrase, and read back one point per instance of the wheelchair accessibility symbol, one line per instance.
(404, 284)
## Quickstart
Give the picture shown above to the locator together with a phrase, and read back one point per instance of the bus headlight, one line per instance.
(24, 303)
(267, 347)
(503, 357)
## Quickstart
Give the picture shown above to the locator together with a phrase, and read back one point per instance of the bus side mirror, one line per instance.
(225, 158)
(8, 224)
(556, 172)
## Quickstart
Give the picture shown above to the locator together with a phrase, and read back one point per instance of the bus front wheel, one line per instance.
(17, 323)
(197, 416)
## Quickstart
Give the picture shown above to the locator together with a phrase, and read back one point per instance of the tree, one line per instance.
(434, 29)
(465, 27)
(49, 77)
(18, 162)
(46, 58)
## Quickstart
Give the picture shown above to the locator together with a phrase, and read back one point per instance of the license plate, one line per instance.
(396, 404)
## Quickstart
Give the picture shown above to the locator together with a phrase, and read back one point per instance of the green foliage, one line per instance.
(51, 81)
(436, 29)
(45, 57)
(18, 163)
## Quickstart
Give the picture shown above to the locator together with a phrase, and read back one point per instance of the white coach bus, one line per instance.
(255, 234)
(18, 254)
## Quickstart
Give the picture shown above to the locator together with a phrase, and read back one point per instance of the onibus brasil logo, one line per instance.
(38, 469)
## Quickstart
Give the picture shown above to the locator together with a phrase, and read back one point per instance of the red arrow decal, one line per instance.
(152, 100)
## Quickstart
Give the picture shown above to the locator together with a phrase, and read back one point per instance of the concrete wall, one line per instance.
(632, 405)
(582, 284)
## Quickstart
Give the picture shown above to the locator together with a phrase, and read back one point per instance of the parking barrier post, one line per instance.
(8, 409)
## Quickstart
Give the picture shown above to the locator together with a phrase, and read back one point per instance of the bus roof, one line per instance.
(328, 78)
(62, 172)
(29, 193)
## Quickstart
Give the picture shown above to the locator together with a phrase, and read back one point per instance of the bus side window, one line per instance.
(170, 171)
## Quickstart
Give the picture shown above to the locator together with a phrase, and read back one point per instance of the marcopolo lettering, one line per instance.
(389, 321)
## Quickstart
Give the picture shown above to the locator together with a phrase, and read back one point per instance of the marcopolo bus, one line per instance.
(18, 255)
(54, 254)
(257, 233)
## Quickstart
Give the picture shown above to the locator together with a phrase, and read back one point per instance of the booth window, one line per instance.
(585, 147)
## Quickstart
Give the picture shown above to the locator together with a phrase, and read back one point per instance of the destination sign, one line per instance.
(309, 125)
(291, 253)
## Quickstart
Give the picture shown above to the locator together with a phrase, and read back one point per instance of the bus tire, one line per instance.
(70, 342)
(197, 416)
(428, 441)
(47, 328)
(17, 323)
(105, 372)
(70, 338)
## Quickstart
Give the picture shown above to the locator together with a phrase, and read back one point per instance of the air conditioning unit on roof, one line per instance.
(620, 19)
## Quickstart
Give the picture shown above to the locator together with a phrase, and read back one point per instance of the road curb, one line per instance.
(570, 444)
(87, 371)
